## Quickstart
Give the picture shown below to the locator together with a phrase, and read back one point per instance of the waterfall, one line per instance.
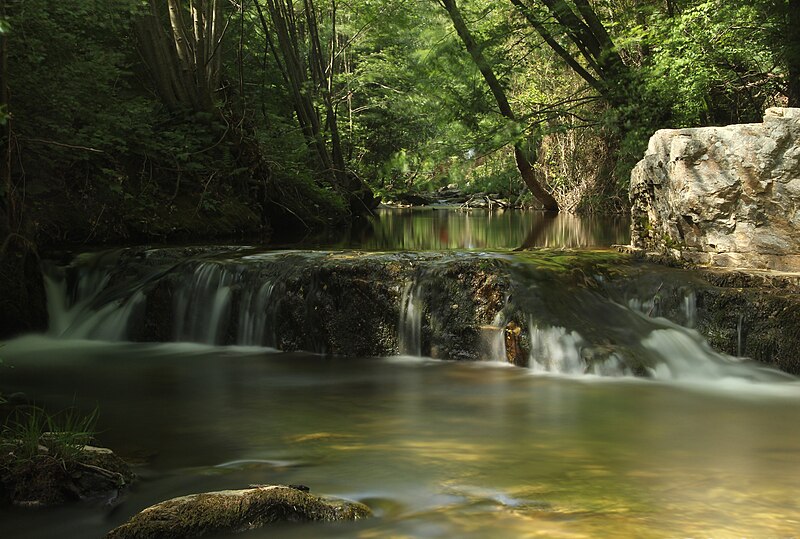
(311, 301)
(690, 308)
(555, 349)
(410, 328)
(256, 320)
(667, 352)
(202, 305)
(85, 302)
(84, 312)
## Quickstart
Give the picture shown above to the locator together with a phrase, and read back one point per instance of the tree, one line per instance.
(523, 162)
(793, 52)
(185, 58)
(7, 206)
(308, 64)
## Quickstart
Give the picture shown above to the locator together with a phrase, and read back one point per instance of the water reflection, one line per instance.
(435, 228)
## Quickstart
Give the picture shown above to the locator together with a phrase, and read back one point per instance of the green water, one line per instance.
(437, 449)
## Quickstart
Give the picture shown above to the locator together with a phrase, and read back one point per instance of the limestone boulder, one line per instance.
(723, 196)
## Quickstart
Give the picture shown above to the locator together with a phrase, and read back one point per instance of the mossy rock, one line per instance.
(234, 511)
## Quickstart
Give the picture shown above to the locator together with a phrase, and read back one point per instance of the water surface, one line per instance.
(437, 449)
(445, 228)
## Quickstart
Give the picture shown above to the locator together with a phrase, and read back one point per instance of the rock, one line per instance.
(233, 511)
(491, 202)
(723, 196)
(411, 199)
(516, 354)
(47, 480)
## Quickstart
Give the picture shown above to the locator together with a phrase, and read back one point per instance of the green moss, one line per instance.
(671, 243)
(234, 511)
(560, 261)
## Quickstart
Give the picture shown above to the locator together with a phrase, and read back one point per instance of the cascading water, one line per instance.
(690, 308)
(410, 327)
(208, 301)
(256, 319)
(241, 299)
(89, 311)
(668, 352)
(202, 305)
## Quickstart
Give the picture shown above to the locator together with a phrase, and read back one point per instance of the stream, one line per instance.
(708, 446)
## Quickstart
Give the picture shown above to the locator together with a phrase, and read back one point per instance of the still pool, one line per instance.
(436, 449)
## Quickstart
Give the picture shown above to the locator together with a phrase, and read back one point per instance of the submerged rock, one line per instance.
(724, 196)
(233, 511)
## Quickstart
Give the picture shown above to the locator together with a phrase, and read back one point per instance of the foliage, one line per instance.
(61, 436)
(412, 109)
(714, 62)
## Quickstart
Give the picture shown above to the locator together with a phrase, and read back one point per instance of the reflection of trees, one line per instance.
(539, 229)
(440, 229)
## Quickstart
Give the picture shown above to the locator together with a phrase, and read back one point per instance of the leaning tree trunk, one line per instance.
(523, 163)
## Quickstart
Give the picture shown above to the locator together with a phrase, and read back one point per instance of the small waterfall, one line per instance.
(91, 301)
(554, 349)
(494, 341)
(86, 312)
(739, 336)
(690, 308)
(256, 319)
(285, 299)
(202, 305)
(410, 328)
(667, 352)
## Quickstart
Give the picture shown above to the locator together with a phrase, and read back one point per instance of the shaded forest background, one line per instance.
(153, 120)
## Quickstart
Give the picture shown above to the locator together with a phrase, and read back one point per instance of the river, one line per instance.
(435, 448)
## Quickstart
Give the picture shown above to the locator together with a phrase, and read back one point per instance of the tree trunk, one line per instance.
(309, 83)
(6, 183)
(523, 163)
(793, 52)
(183, 58)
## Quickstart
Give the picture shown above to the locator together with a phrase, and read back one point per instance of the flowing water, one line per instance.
(708, 447)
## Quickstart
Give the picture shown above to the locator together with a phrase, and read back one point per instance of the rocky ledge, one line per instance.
(722, 196)
(234, 511)
(455, 306)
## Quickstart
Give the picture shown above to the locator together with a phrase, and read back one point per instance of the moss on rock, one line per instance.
(233, 511)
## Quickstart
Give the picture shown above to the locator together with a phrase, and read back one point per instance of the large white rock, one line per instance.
(723, 196)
